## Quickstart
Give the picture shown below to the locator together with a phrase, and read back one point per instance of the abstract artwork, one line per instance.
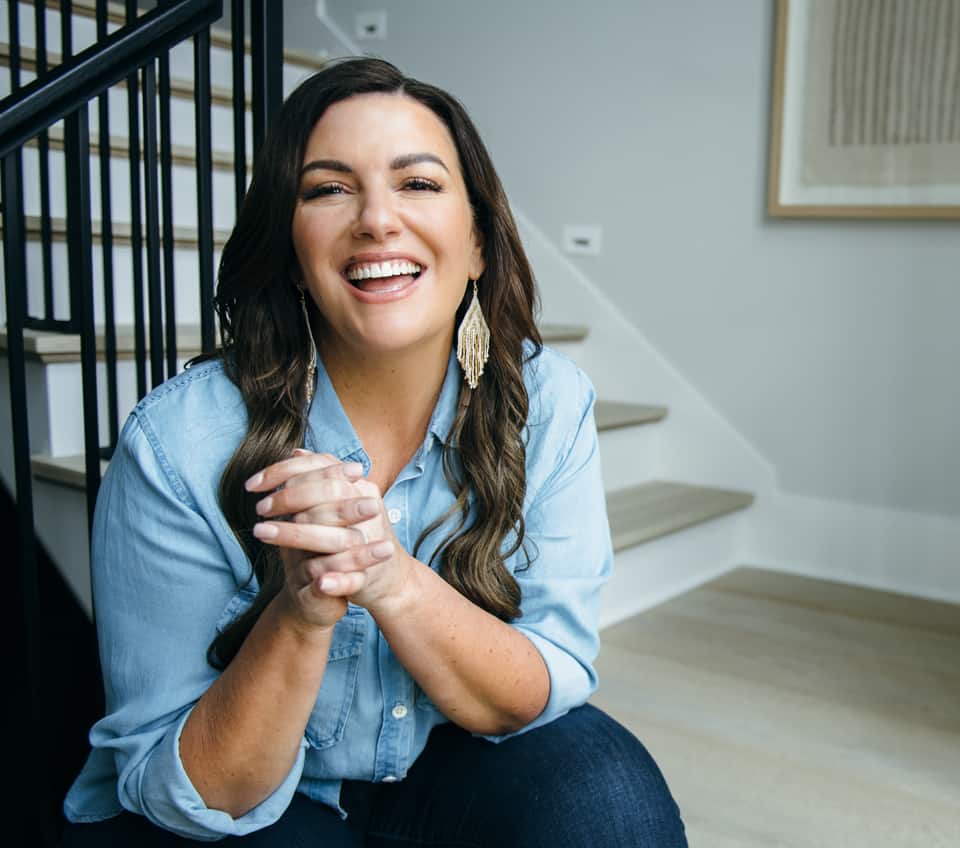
(866, 109)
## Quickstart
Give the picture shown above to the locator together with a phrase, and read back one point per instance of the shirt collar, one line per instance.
(330, 429)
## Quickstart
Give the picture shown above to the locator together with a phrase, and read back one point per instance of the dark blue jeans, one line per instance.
(582, 781)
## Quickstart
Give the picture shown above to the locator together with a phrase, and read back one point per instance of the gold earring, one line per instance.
(473, 341)
(312, 366)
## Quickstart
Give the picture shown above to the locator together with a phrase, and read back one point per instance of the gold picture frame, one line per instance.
(865, 119)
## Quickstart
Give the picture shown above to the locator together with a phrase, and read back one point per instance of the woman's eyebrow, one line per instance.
(397, 164)
(415, 158)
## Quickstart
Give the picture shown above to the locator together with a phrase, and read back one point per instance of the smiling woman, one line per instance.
(347, 571)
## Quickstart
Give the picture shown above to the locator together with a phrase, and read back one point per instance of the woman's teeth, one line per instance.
(374, 270)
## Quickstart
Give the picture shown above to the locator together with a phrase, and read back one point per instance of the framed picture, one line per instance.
(866, 109)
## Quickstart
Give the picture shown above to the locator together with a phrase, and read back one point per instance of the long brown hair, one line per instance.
(265, 350)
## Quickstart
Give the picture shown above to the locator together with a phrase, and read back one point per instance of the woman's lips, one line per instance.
(385, 289)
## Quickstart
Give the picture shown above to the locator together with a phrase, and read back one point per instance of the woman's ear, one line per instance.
(476, 264)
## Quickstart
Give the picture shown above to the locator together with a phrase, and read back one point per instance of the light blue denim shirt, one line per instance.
(168, 573)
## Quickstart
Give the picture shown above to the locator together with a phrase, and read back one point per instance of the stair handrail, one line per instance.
(48, 99)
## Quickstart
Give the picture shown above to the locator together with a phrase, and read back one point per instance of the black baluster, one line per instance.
(80, 263)
(166, 189)
(266, 44)
(136, 233)
(43, 151)
(151, 199)
(26, 617)
(106, 238)
(66, 29)
(238, 48)
(201, 95)
(13, 26)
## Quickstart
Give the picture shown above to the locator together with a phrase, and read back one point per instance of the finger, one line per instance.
(358, 558)
(317, 538)
(340, 585)
(277, 474)
(344, 513)
(310, 494)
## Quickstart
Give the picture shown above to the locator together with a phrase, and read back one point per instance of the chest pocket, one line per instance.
(332, 708)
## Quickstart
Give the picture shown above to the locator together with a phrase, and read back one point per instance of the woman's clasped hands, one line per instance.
(335, 539)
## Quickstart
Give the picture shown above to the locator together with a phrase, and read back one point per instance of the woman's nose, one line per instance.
(377, 215)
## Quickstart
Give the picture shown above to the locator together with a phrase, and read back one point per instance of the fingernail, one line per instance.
(300, 452)
(256, 480)
(328, 582)
(263, 507)
(368, 507)
(265, 531)
(382, 549)
(353, 469)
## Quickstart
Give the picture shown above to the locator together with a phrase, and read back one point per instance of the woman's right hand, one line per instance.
(316, 493)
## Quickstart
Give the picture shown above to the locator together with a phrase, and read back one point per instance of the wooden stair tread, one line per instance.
(180, 154)
(219, 95)
(182, 236)
(640, 513)
(218, 37)
(67, 470)
(612, 414)
(51, 347)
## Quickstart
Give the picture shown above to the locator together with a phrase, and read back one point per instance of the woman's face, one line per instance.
(383, 229)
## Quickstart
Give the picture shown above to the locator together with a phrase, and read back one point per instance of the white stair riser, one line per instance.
(186, 293)
(184, 191)
(60, 389)
(649, 574)
(627, 455)
(181, 56)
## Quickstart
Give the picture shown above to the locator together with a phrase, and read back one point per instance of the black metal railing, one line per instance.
(131, 49)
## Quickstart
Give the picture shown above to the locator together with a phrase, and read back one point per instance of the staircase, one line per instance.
(641, 510)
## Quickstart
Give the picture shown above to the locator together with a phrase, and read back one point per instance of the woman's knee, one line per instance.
(593, 782)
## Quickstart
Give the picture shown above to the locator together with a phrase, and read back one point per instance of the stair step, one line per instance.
(218, 37)
(182, 236)
(67, 470)
(610, 414)
(641, 513)
(50, 347)
(180, 154)
(219, 95)
(637, 514)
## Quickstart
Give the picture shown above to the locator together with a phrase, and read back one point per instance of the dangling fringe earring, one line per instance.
(312, 366)
(473, 341)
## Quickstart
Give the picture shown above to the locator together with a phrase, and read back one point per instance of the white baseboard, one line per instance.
(910, 553)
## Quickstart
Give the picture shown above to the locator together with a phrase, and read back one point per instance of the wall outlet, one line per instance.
(583, 239)
(371, 24)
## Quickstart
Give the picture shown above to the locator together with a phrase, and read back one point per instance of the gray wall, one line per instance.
(831, 345)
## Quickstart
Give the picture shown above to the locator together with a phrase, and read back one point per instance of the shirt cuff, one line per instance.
(571, 683)
(170, 800)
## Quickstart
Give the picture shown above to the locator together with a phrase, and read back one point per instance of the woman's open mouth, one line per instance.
(378, 279)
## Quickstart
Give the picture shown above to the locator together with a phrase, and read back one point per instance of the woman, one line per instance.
(346, 592)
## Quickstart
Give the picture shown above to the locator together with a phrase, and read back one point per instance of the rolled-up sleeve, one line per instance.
(572, 557)
(161, 580)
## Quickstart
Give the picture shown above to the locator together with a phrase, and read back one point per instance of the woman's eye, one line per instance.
(322, 190)
(420, 184)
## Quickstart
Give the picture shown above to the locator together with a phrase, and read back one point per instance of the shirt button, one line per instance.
(399, 711)
(390, 779)
(394, 515)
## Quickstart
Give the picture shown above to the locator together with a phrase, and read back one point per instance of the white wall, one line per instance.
(830, 345)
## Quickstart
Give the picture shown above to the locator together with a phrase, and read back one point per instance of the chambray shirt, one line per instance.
(168, 574)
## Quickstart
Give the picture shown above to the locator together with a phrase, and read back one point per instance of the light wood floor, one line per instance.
(787, 711)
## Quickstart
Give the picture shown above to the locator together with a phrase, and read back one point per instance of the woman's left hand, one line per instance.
(338, 573)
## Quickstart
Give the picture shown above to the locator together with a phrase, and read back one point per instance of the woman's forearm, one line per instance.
(483, 674)
(243, 735)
